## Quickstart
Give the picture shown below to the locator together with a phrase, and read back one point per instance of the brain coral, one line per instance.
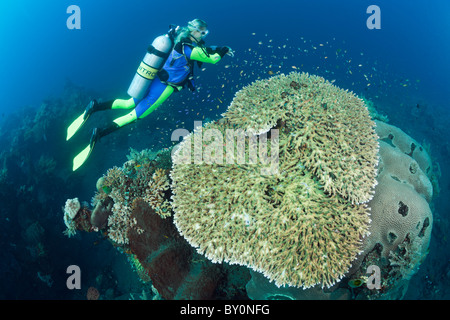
(399, 139)
(302, 224)
(401, 216)
(398, 213)
(403, 168)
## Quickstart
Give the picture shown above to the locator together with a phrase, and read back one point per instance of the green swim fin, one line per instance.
(76, 125)
(81, 157)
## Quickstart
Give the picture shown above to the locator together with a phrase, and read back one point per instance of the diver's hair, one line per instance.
(185, 32)
(182, 34)
(197, 24)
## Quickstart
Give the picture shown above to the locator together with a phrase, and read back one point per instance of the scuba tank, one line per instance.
(154, 59)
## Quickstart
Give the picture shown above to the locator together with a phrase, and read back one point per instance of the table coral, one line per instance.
(331, 128)
(313, 208)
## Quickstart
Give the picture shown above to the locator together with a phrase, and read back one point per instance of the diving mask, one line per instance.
(203, 33)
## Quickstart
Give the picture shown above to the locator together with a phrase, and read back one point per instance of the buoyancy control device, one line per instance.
(154, 59)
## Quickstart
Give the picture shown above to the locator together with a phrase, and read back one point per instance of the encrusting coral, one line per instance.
(302, 224)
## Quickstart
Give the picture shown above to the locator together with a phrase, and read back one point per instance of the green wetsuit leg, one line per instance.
(132, 116)
(123, 104)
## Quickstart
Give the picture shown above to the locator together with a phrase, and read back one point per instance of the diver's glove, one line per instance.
(224, 50)
(230, 52)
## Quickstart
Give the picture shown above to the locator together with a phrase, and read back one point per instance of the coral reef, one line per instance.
(156, 191)
(118, 190)
(326, 194)
(132, 209)
(400, 229)
(313, 209)
(46, 165)
(120, 223)
(35, 182)
(404, 169)
(398, 210)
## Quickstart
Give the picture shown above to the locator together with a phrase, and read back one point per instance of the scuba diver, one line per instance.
(166, 68)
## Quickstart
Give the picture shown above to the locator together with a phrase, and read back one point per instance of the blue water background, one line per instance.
(39, 52)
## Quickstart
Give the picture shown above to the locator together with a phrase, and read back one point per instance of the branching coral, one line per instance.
(302, 225)
(71, 208)
(119, 223)
(138, 178)
(155, 193)
(142, 156)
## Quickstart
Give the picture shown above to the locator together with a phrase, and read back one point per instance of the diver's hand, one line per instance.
(222, 51)
(230, 52)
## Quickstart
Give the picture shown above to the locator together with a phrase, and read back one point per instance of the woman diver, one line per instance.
(176, 73)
